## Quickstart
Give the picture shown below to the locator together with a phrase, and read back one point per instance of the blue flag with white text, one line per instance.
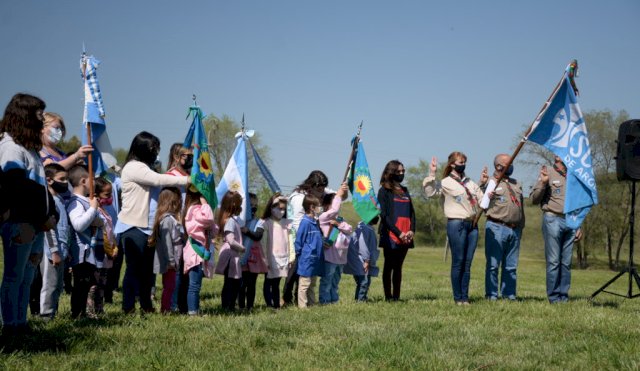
(561, 128)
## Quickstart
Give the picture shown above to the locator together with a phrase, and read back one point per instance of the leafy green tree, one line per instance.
(221, 133)
(430, 220)
(71, 145)
(120, 155)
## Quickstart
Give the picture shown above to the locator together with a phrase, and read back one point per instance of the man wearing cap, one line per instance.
(549, 193)
(505, 220)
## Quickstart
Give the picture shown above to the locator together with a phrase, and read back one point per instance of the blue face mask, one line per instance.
(509, 171)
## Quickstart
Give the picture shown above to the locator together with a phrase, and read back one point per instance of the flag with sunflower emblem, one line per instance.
(202, 171)
(363, 197)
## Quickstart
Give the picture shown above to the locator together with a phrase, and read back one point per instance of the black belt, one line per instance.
(494, 220)
(460, 219)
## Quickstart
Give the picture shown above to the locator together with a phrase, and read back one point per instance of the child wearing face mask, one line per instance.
(309, 251)
(252, 261)
(53, 132)
(55, 244)
(180, 163)
(106, 248)
(87, 255)
(277, 241)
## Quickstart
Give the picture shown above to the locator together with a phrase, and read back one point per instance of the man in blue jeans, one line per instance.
(549, 193)
(505, 220)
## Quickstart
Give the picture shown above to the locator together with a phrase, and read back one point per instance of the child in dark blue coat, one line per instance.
(309, 251)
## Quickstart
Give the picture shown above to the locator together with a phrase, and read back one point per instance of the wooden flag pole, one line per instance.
(90, 162)
(88, 128)
(525, 138)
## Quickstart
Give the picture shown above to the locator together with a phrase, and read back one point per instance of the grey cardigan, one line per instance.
(169, 244)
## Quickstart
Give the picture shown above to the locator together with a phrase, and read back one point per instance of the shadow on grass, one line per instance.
(604, 304)
(209, 296)
(424, 297)
(58, 336)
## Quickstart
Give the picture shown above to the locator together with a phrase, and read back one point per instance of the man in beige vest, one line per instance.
(549, 193)
(505, 220)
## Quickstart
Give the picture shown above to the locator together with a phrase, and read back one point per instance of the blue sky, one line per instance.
(426, 77)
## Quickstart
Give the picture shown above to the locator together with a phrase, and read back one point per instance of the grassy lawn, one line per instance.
(424, 330)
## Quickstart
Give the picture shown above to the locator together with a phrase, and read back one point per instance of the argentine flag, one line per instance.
(94, 114)
(561, 128)
(235, 178)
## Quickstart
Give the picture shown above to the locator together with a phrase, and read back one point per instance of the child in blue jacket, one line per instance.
(362, 258)
(309, 251)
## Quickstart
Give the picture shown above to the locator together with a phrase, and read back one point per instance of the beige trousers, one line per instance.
(306, 291)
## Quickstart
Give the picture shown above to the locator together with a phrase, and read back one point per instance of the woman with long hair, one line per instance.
(397, 226)
(461, 198)
(135, 220)
(31, 209)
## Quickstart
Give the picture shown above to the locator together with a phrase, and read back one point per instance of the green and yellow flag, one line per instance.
(362, 194)
(202, 171)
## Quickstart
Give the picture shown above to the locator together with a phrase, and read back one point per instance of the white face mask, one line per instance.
(317, 211)
(55, 135)
(277, 213)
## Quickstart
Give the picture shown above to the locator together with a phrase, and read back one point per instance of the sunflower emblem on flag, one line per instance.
(362, 185)
(235, 186)
(364, 199)
(204, 160)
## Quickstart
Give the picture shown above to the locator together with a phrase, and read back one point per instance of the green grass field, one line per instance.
(423, 331)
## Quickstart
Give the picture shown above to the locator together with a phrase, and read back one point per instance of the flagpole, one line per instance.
(574, 67)
(88, 127)
(353, 153)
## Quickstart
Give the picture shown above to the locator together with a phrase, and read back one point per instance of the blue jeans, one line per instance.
(18, 274)
(463, 240)
(195, 284)
(362, 287)
(329, 283)
(502, 248)
(558, 251)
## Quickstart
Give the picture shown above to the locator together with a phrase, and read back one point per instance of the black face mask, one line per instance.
(188, 163)
(398, 177)
(60, 187)
(459, 168)
(254, 210)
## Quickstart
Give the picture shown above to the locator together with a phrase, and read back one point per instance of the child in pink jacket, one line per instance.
(337, 237)
(198, 249)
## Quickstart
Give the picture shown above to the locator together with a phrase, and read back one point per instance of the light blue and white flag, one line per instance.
(235, 178)
(271, 181)
(94, 114)
(561, 128)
